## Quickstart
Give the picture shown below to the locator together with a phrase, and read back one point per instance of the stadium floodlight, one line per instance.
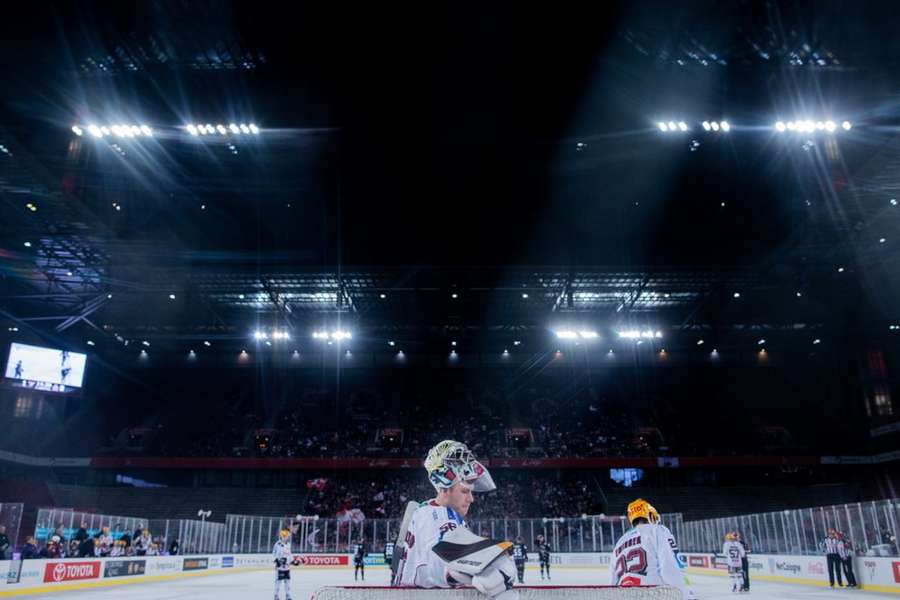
(565, 334)
(791, 126)
(77, 130)
(341, 335)
(135, 130)
(105, 130)
(259, 335)
(146, 130)
(846, 125)
(210, 129)
(254, 129)
(682, 126)
(191, 129)
(95, 131)
(820, 125)
(636, 334)
(117, 131)
(662, 126)
(830, 126)
(244, 128)
(706, 126)
(714, 125)
(672, 126)
(726, 127)
(780, 127)
(588, 335)
(221, 129)
(234, 128)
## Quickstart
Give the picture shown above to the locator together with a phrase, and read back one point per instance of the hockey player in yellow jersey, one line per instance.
(647, 554)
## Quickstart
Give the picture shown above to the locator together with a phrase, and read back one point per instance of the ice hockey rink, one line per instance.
(259, 585)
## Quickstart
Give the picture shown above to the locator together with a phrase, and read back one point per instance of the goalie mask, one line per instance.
(450, 462)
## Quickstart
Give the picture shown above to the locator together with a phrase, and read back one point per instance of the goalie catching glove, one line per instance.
(495, 581)
(480, 562)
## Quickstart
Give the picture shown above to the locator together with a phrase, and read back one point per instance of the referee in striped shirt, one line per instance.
(833, 556)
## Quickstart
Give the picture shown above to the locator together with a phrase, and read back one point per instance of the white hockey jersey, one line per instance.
(419, 566)
(103, 545)
(283, 556)
(648, 555)
(733, 552)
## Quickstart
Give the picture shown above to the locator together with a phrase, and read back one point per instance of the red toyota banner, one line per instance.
(317, 560)
(71, 571)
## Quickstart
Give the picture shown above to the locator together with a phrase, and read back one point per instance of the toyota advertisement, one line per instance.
(56, 572)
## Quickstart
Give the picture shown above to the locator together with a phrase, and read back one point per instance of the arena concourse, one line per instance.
(507, 302)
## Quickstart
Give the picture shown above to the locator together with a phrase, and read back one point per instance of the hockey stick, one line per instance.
(400, 545)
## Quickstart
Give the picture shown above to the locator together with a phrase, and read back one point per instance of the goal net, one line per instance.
(575, 592)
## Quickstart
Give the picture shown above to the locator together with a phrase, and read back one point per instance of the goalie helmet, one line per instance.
(641, 509)
(450, 462)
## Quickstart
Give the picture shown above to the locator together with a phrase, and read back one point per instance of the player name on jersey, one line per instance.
(635, 541)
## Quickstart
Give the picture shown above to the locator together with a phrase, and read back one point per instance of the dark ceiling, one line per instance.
(416, 151)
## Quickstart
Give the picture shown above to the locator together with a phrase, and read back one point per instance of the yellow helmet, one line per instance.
(285, 534)
(729, 537)
(641, 509)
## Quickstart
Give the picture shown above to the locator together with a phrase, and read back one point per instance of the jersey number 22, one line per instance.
(633, 561)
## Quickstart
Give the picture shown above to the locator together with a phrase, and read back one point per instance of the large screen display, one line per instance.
(626, 477)
(45, 368)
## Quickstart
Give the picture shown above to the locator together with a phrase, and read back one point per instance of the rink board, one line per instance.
(881, 574)
(44, 575)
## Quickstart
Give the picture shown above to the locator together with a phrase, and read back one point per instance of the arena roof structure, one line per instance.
(180, 173)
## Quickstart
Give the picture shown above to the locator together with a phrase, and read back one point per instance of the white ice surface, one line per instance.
(258, 585)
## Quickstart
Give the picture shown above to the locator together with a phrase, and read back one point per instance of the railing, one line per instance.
(872, 528)
(193, 536)
(50, 519)
(248, 533)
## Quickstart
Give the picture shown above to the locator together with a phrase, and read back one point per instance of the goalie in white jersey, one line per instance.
(647, 554)
(439, 525)
(734, 554)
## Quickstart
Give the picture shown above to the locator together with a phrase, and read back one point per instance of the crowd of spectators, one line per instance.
(549, 425)
(518, 495)
(85, 543)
